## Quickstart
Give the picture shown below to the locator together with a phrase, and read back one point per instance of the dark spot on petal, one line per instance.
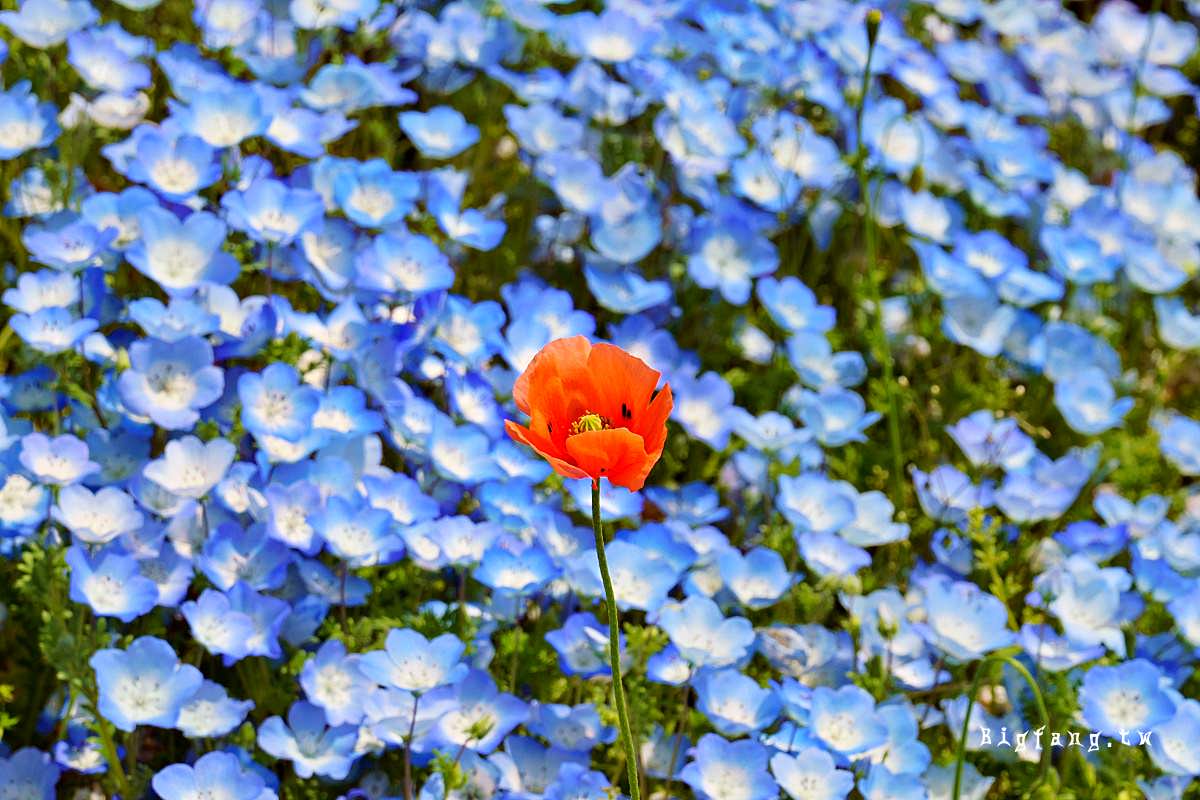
(625, 412)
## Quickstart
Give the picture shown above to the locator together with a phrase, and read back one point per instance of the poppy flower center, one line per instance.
(590, 422)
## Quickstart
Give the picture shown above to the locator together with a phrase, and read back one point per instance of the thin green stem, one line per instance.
(883, 350)
(408, 742)
(614, 650)
(109, 747)
(961, 754)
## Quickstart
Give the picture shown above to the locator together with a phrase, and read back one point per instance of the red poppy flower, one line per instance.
(593, 412)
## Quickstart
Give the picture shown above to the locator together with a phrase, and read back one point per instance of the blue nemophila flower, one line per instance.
(342, 413)
(217, 627)
(371, 194)
(1096, 542)
(811, 355)
(45, 23)
(793, 305)
(581, 644)
(174, 165)
(1056, 653)
(110, 584)
(191, 468)
(223, 117)
(29, 773)
(450, 541)
(415, 664)
(701, 407)
(734, 703)
(613, 36)
(180, 254)
(727, 253)
(510, 565)
(1126, 697)
(276, 403)
(23, 503)
(947, 494)
(144, 684)
(1077, 257)
(46, 288)
(810, 774)
(402, 497)
(211, 712)
(307, 740)
(531, 765)
(271, 212)
(883, 784)
(106, 62)
(171, 382)
(472, 227)
(119, 211)
(96, 517)
(815, 504)
(180, 318)
(721, 770)
(1088, 401)
(52, 330)
(830, 555)
(441, 132)
(1088, 601)
(963, 621)
(1173, 748)
(399, 261)
(542, 130)
(1177, 326)
(988, 441)
(357, 533)
(625, 290)
(846, 721)
(67, 242)
(484, 715)
(904, 753)
(79, 752)
(462, 453)
(469, 331)
(312, 15)
(836, 416)
(640, 581)
(216, 774)
(703, 635)
(757, 579)
(979, 321)
(25, 123)
(574, 728)
(332, 680)
(873, 522)
(353, 85)
(60, 461)
(1045, 488)
(268, 615)
(1179, 441)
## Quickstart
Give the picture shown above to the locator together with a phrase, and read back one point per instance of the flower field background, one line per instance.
(920, 278)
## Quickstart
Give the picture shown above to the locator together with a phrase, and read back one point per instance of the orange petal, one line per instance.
(545, 449)
(622, 382)
(653, 426)
(560, 358)
(617, 454)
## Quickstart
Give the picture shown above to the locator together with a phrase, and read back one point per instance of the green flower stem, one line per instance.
(883, 349)
(614, 650)
(961, 755)
(109, 747)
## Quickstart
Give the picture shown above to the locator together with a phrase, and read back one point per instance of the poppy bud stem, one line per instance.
(614, 650)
